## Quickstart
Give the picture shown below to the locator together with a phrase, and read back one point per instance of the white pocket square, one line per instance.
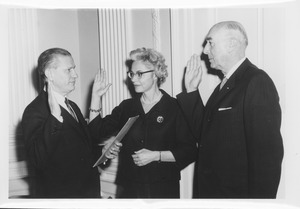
(224, 108)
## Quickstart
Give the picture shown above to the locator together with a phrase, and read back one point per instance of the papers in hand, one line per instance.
(118, 138)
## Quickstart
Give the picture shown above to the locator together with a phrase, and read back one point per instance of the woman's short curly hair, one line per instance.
(155, 59)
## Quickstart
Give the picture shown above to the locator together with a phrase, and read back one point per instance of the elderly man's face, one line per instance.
(63, 75)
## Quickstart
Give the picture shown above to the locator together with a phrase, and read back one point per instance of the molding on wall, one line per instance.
(156, 29)
(22, 57)
(23, 49)
(113, 53)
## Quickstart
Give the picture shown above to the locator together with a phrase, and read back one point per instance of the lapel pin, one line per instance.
(160, 119)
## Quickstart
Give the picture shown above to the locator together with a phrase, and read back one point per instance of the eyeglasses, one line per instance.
(139, 74)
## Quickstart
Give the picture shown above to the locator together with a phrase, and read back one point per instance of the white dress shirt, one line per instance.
(234, 68)
(61, 101)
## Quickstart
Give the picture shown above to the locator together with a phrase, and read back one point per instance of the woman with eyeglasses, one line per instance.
(159, 144)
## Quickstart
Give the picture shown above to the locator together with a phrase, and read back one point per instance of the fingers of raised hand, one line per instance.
(102, 75)
(98, 76)
(53, 104)
(194, 62)
(195, 70)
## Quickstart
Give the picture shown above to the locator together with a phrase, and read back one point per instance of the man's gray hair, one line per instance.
(234, 26)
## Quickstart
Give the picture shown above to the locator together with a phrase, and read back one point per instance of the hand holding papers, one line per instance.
(118, 138)
(113, 150)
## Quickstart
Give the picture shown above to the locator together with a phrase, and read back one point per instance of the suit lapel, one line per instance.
(82, 123)
(212, 98)
(68, 117)
(80, 126)
(218, 95)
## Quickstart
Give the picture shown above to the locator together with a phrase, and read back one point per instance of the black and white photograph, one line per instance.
(148, 104)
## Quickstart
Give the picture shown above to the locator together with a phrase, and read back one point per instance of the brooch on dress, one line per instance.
(160, 119)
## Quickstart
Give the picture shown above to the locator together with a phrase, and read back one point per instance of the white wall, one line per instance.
(22, 49)
(89, 54)
(140, 34)
(76, 31)
(59, 28)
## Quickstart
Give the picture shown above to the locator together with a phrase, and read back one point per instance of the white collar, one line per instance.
(234, 68)
(60, 99)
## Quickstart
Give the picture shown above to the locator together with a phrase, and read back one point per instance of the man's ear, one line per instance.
(48, 74)
(233, 44)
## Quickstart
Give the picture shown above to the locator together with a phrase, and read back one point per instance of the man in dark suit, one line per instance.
(56, 135)
(240, 145)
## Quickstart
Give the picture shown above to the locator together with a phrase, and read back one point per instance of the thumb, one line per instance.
(139, 151)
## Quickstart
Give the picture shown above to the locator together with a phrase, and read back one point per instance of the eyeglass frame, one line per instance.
(139, 74)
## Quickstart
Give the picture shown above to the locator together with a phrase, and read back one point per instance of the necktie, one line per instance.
(71, 111)
(223, 82)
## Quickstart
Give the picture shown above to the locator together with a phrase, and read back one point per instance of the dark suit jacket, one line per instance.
(62, 153)
(240, 145)
(162, 128)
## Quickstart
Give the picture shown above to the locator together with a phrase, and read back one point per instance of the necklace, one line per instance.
(153, 101)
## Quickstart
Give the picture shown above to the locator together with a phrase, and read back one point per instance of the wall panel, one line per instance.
(113, 54)
(22, 82)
